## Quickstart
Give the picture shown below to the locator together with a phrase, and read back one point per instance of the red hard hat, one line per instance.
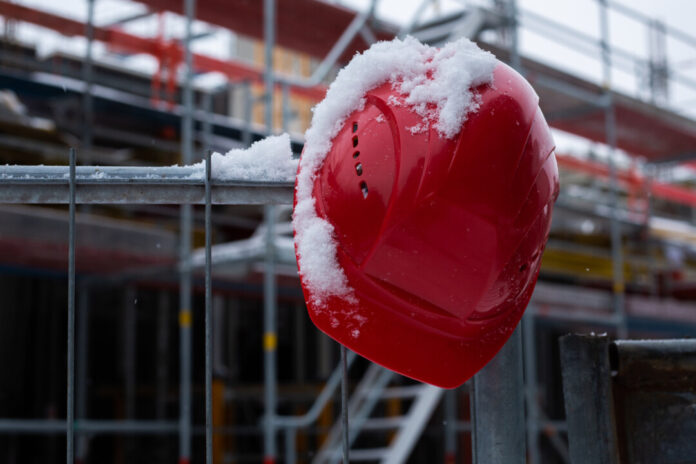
(440, 239)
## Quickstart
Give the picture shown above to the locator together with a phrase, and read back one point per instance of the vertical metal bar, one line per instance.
(269, 282)
(450, 413)
(207, 123)
(512, 351)
(324, 355)
(70, 425)
(129, 346)
(88, 79)
(87, 131)
(530, 377)
(290, 452)
(185, 300)
(658, 69)
(499, 407)
(286, 111)
(472, 420)
(269, 42)
(498, 421)
(610, 133)
(162, 355)
(652, 244)
(129, 342)
(515, 60)
(248, 110)
(219, 322)
(187, 90)
(586, 372)
(270, 339)
(344, 405)
(185, 322)
(208, 319)
(82, 344)
(300, 343)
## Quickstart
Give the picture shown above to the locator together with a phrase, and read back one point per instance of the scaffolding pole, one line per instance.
(498, 408)
(70, 406)
(270, 336)
(610, 133)
(129, 342)
(82, 346)
(88, 78)
(497, 401)
(185, 230)
(450, 432)
(208, 319)
(530, 378)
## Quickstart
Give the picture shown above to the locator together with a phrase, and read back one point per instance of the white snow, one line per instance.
(444, 100)
(269, 159)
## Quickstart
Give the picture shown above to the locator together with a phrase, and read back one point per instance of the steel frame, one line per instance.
(127, 185)
(133, 185)
(627, 383)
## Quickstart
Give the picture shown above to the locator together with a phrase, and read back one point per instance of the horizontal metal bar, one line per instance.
(596, 99)
(655, 362)
(133, 185)
(55, 426)
(384, 423)
(562, 31)
(39, 426)
(90, 427)
(638, 16)
(585, 317)
(408, 391)
(368, 454)
(127, 426)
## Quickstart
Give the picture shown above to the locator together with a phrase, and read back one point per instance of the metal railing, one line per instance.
(127, 185)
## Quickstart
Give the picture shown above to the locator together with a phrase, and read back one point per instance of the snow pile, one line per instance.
(435, 83)
(269, 159)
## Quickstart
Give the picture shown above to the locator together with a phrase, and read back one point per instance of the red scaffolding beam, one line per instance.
(313, 26)
(167, 51)
(308, 26)
(631, 179)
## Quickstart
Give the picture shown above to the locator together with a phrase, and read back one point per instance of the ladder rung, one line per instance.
(383, 423)
(368, 454)
(410, 391)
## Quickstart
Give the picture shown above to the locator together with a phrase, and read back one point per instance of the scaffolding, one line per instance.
(592, 110)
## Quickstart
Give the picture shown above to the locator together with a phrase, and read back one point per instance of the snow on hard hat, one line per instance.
(422, 207)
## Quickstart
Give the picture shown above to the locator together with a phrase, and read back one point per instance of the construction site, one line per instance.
(168, 310)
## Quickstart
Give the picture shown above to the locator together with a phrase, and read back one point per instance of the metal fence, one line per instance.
(74, 185)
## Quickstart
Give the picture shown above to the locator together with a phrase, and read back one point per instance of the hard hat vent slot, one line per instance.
(355, 140)
(356, 154)
(358, 169)
(363, 187)
(355, 126)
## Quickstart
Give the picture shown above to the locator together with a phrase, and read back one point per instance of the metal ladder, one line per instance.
(407, 428)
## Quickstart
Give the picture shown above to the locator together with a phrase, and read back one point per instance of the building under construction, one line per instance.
(104, 232)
